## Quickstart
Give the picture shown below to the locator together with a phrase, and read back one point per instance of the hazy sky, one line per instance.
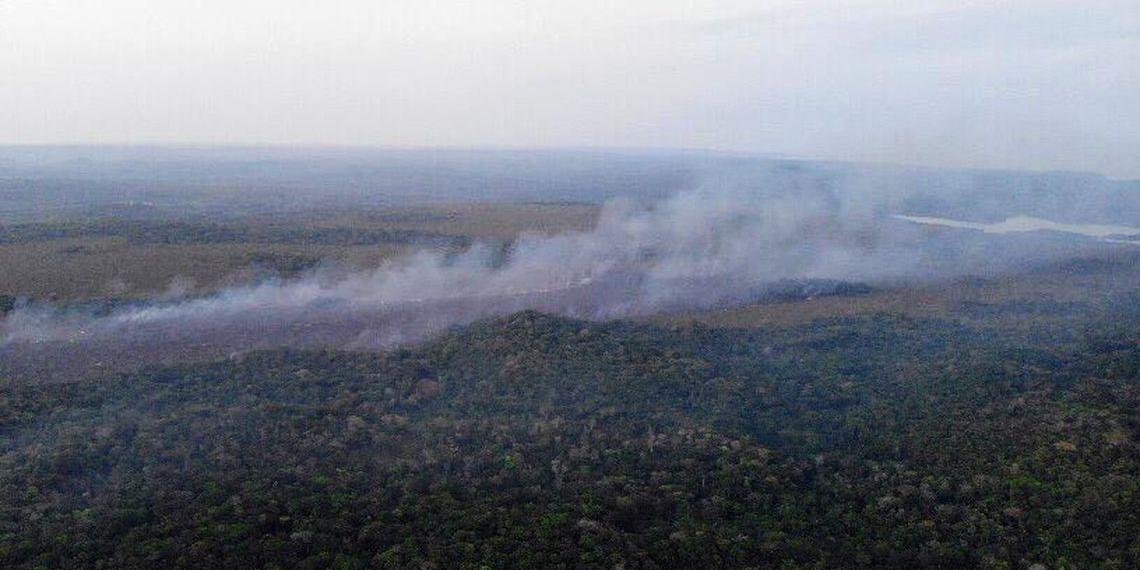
(1039, 84)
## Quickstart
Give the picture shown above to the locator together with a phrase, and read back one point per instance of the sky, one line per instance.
(1036, 84)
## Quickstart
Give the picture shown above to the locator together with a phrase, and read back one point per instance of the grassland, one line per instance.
(111, 257)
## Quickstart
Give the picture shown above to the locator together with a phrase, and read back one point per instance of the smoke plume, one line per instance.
(725, 242)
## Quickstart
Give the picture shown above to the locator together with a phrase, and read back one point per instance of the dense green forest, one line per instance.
(540, 442)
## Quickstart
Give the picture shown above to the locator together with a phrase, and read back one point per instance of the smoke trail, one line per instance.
(722, 243)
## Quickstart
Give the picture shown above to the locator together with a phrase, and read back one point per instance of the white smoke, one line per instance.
(720, 243)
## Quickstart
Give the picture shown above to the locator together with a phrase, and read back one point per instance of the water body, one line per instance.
(1016, 224)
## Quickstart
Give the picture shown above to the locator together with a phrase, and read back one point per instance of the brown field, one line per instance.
(98, 267)
(111, 267)
(477, 220)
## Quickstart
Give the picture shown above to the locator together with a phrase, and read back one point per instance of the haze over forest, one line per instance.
(723, 284)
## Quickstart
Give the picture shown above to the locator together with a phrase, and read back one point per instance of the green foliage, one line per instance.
(553, 443)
